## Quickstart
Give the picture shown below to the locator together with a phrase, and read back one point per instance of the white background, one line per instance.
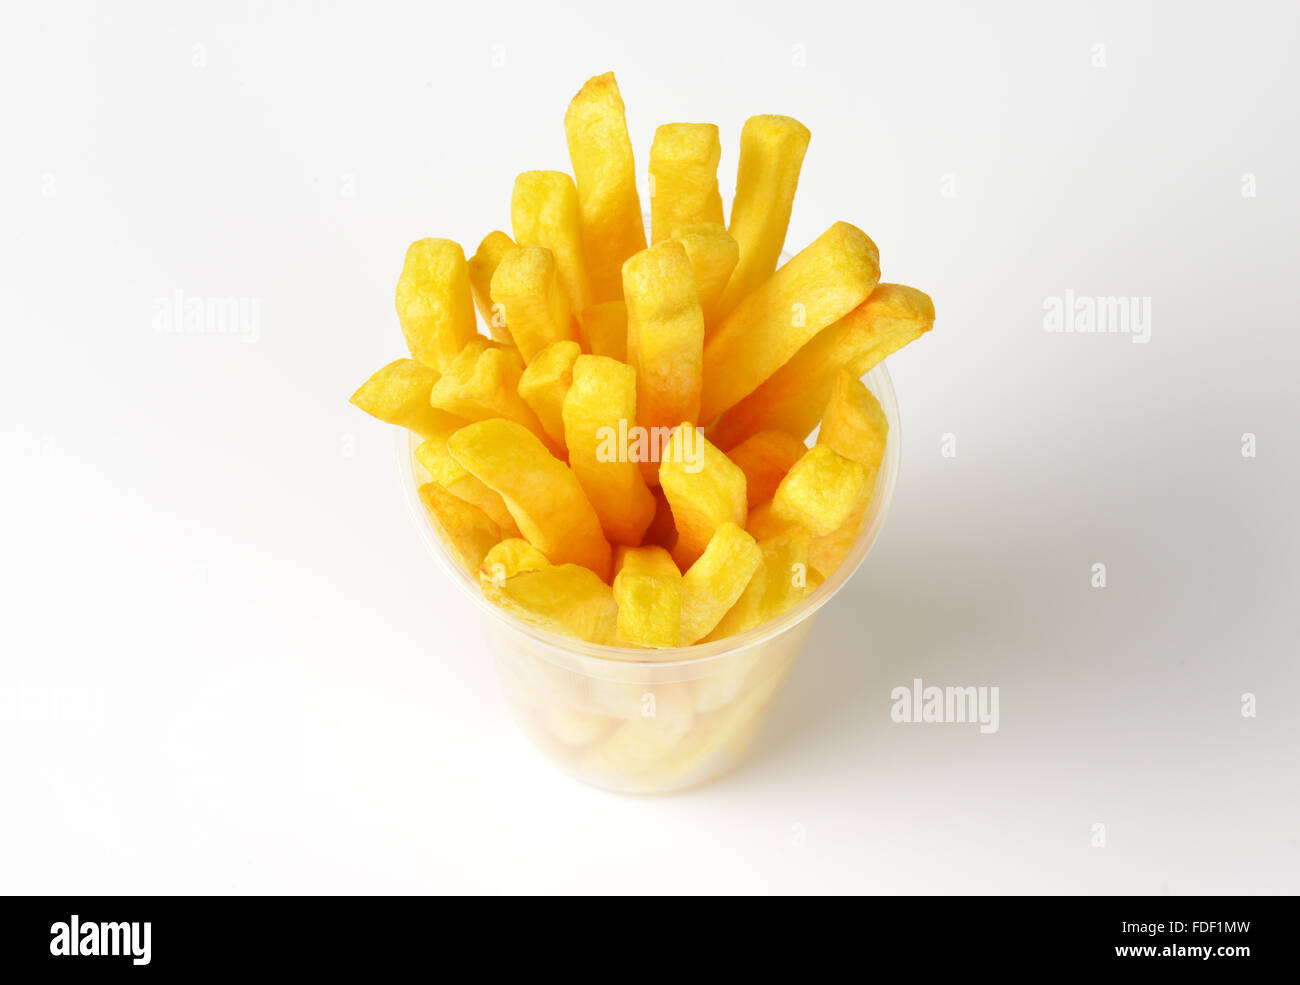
(227, 664)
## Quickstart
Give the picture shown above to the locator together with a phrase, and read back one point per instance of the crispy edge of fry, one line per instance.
(648, 590)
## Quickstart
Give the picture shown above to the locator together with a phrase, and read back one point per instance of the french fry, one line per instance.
(544, 383)
(648, 590)
(465, 528)
(482, 265)
(526, 290)
(765, 458)
(507, 559)
(448, 473)
(542, 494)
(663, 529)
(762, 525)
(434, 303)
(399, 394)
(854, 425)
(601, 151)
(684, 178)
(604, 329)
(779, 582)
(713, 584)
(643, 745)
(825, 281)
(544, 212)
(601, 396)
(713, 254)
(771, 155)
(793, 398)
(563, 598)
(826, 553)
(482, 383)
(705, 489)
(821, 491)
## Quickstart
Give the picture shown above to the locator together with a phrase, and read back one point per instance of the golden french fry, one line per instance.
(482, 265)
(713, 254)
(826, 553)
(601, 152)
(544, 383)
(604, 329)
(544, 212)
(663, 529)
(780, 581)
(854, 423)
(713, 584)
(507, 559)
(705, 489)
(765, 458)
(399, 394)
(648, 589)
(825, 281)
(465, 528)
(793, 398)
(526, 290)
(482, 383)
(597, 409)
(762, 525)
(448, 473)
(821, 491)
(684, 178)
(643, 745)
(771, 155)
(563, 598)
(542, 494)
(434, 303)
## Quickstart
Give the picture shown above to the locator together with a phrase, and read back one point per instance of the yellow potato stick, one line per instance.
(544, 212)
(399, 394)
(854, 423)
(793, 398)
(665, 338)
(762, 525)
(771, 155)
(641, 746)
(604, 329)
(466, 529)
(684, 178)
(544, 383)
(826, 553)
(610, 208)
(713, 254)
(526, 291)
(434, 304)
(564, 598)
(482, 265)
(765, 458)
(713, 584)
(507, 559)
(780, 581)
(821, 491)
(648, 589)
(541, 493)
(600, 403)
(824, 282)
(482, 383)
(705, 489)
(448, 473)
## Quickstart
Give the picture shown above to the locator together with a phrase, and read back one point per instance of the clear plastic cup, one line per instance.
(650, 721)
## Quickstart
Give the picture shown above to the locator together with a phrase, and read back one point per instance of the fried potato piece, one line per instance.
(780, 581)
(465, 529)
(854, 423)
(641, 746)
(793, 398)
(684, 178)
(544, 383)
(482, 383)
(648, 589)
(762, 525)
(507, 559)
(544, 212)
(771, 155)
(663, 529)
(563, 598)
(604, 329)
(826, 553)
(610, 208)
(825, 281)
(482, 265)
(449, 474)
(527, 289)
(821, 491)
(434, 303)
(399, 394)
(713, 255)
(713, 584)
(600, 399)
(541, 493)
(705, 489)
(765, 458)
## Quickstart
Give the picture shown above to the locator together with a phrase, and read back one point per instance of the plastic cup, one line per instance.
(650, 721)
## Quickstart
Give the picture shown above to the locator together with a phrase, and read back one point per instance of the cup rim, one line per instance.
(565, 649)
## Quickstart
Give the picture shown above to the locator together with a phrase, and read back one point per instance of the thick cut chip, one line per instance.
(434, 304)
(482, 265)
(854, 423)
(546, 381)
(765, 458)
(507, 559)
(399, 394)
(705, 489)
(771, 154)
(793, 398)
(642, 748)
(822, 491)
(527, 292)
(465, 529)
(543, 496)
(662, 530)
(598, 410)
(448, 473)
(780, 581)
(482, 383)
(713, 254)
(604, 329)
(648, 589)
(544, 212)
(712, 585)
(762, 525)
(824, 282)
(684, 178)
(601, 152)
(564, 598)
(826, 553)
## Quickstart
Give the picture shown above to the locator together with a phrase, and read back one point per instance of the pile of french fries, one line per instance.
(622, 457)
